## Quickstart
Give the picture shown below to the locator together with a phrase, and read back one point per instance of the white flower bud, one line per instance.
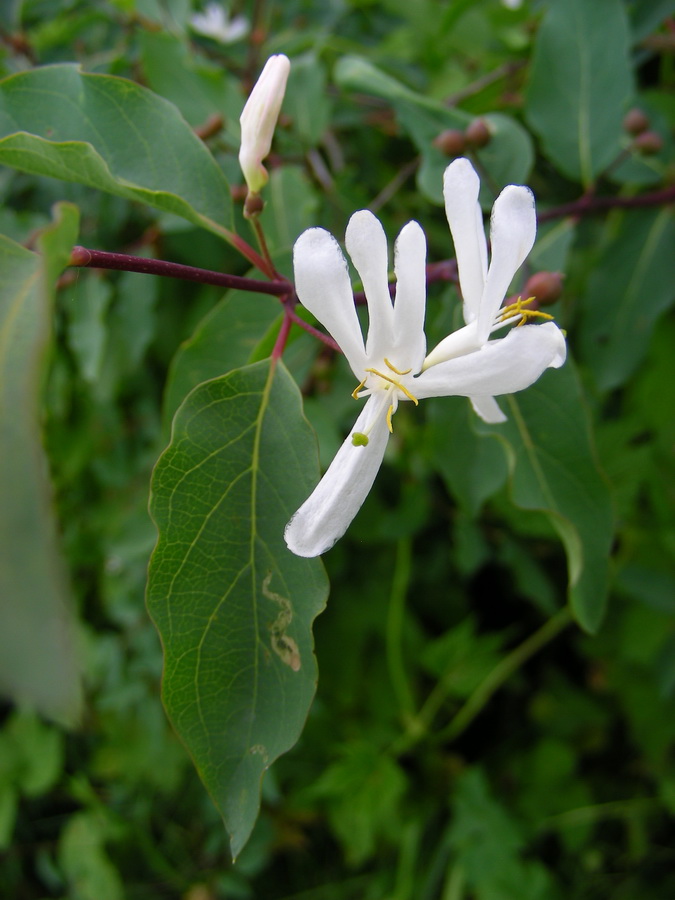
(259, 119)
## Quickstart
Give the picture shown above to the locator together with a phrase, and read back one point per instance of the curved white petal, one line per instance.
(410, 257)
(325, 516)
(513, 228)
(461, 187)
(324, 288)
(457, 343)
(366, 243)
(488, 409)
(499, 367)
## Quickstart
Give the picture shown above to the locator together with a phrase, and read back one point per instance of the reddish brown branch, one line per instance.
(589, 205)
(100, 259)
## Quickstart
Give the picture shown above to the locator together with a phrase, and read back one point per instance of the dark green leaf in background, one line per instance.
(629, 288)
(197, 88)
(473, 467)
(233, 606)
(507, 158)
(580, 84)
(38, 659)
(113, 135)
(553, 469)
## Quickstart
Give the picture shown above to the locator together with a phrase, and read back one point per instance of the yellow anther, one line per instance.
(396, 384)
(532, 314)
(518, 309)
(355, 392)
(394, 369)
(390, 413)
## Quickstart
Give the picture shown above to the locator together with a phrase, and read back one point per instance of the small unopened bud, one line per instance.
(648, 143)
(478, 134)
(259, 119)
(451, 142)
(635, 121)
(545, 287)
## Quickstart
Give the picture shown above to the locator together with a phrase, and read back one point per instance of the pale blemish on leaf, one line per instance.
(282, 644)
(259, 750)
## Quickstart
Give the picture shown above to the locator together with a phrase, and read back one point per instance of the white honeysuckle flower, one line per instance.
(215, 23)
(391, 366)
(259, 118)
(513, 228)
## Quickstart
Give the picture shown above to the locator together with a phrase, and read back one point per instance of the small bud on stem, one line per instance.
(635, 121)
(258, 121)
(648, 143)
(451, 142)
(478, 134)
(545, 287)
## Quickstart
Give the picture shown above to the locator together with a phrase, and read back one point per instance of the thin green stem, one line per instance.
(502, 672)
(262, 244)
(615, 809)
(453, 888)
(394, 632)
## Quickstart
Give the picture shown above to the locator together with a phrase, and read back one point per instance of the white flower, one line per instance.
(391, 367)
(215, 23)
(259, 119)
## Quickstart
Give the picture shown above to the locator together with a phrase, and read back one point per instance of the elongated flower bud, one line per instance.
(259, 119)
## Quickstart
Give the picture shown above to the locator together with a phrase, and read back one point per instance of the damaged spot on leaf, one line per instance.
(282, 644)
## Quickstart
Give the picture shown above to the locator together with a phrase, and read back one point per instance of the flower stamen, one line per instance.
(390, 413)
(395, 370)
(518, 309)
(355, 392)
(396, 384)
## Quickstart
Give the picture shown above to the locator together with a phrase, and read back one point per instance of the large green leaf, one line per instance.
(233, 606)
(554, 469)
(111, 134)
(225, 339)
(580, 84)
(37, 656)
(199, 90)
(631, 286)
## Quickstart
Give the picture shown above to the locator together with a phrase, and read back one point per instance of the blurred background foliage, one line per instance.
(466, 740)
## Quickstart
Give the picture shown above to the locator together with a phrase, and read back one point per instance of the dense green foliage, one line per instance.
(494, 717)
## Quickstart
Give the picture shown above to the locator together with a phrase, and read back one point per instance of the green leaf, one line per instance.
(233, 606)
(225, 339)
(507, 158)
(197, 88)
(306, 100)
(580, 84)
(291, 205)
(553, 469)
(472, 467)
(363, 790)
(82, 857)
(113, 135)
(630, 287)
(37, 656)
(487, 842)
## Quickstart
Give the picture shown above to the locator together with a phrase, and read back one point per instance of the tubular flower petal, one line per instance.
(390, 365)
(259, 118)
